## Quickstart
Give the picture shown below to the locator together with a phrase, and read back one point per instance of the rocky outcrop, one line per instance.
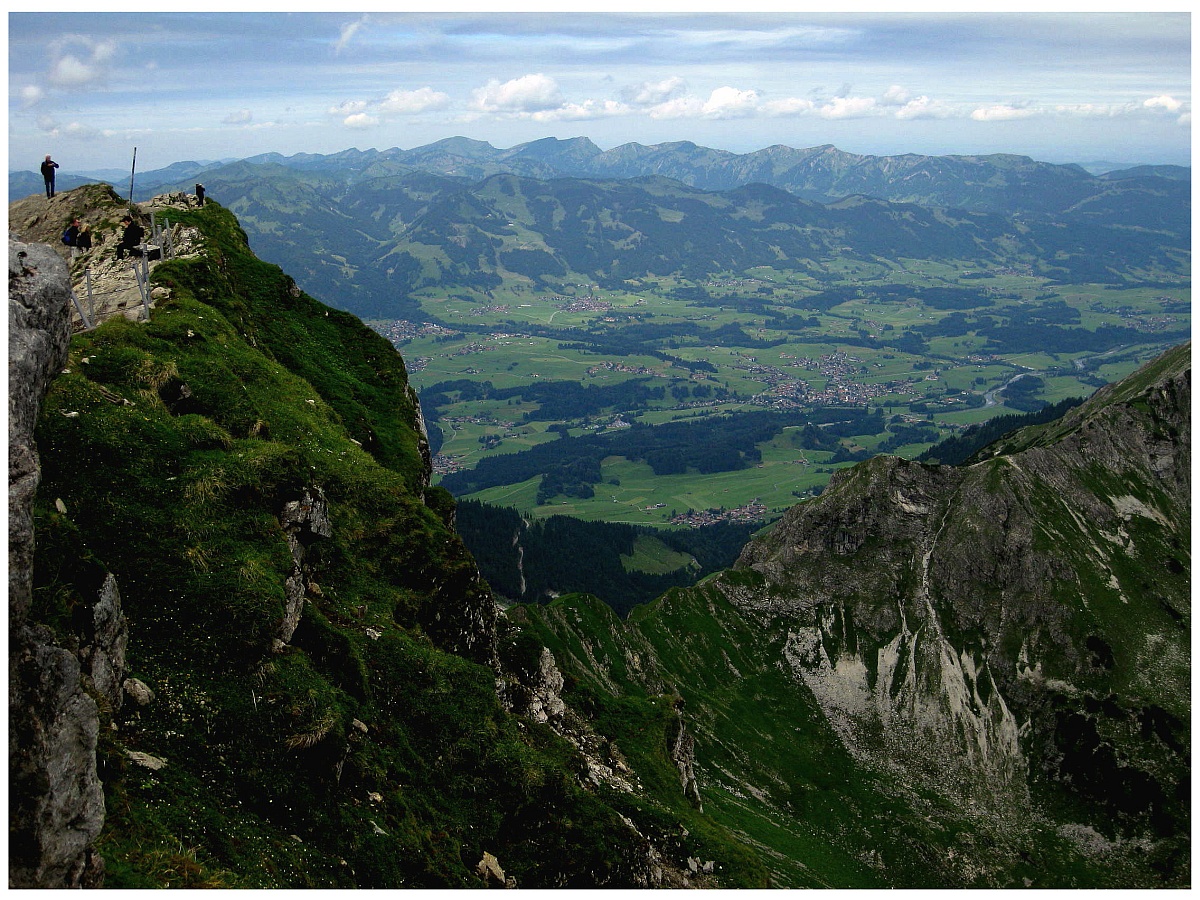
(56, 802)
(1021, 613)
(39, 331)
(530, 685)
(304, 520)
(681, 749)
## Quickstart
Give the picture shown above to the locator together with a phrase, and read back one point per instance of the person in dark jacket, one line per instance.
(83, 240)
(70, 237)
(48, 167)
(199, 195)
(130, 239)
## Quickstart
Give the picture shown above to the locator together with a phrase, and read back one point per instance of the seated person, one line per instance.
(130, 238)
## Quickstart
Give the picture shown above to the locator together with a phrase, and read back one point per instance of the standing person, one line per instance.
(130, 239)
(48, 167)
(70, 237)
(199, 195)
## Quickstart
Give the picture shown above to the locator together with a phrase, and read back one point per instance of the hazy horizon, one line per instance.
(122, 171)
(1060, 87)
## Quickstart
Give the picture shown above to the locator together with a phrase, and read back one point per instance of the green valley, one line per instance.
(555, 291)
(934, 346)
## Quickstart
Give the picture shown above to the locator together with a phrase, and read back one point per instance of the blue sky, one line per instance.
(88, 87)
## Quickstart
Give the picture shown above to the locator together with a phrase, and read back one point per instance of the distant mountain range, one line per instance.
(362, 228)
(999, 182)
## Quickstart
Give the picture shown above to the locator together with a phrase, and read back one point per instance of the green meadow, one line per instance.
(742, 342)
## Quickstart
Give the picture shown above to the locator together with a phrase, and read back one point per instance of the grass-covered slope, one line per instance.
(245, 445)
(930, 676)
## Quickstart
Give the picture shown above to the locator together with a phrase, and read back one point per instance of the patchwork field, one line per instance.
(934, 347)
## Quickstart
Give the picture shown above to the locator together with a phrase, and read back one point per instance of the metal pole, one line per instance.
(82, 315)
(131, 172)
(143, 289)
(87, 274)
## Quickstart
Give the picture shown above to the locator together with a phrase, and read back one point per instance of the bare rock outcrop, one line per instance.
(56, 801)
(39, 331)
(304, 521)
(998, 609)
(681, 748)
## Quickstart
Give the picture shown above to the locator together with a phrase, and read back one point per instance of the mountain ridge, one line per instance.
(305, 682)
(827, 172)
(1026, 614)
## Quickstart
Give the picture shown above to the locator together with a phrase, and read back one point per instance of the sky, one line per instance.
(89, 87)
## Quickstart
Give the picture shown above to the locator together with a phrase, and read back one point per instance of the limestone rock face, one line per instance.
(56, 802)
(1022, 613)
(304, 521)
(105, 653)
(39, 331)
(538, 696)
(682, 751)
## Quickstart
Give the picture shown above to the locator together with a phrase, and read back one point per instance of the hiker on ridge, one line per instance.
(130, 239)
(70, 237)
(48, 168)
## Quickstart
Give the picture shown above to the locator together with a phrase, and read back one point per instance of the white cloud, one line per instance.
(31, 95)
(1186, 119)
(924, 108)
(790, 106)
(103, 52)
(360, 120)
(728, 103)
(348, 108)
(723, 103)
(400, 102)
(678, 108)
(588, 109)
(848, 107)
(78, 61)
(896, 96)
(78, 130)
(652, 94)
(239, 117)
(1163, 101)
(529, 93)
(349, 30)
(69, 72)
(1095, 110)
(1000, 113)
(75, 130)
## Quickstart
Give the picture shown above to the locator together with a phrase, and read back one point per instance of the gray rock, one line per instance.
(39, 332)
(106, 653)
(681, 748)
(56, 802)
(304, 521)
(145, 760)
(138, 690)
